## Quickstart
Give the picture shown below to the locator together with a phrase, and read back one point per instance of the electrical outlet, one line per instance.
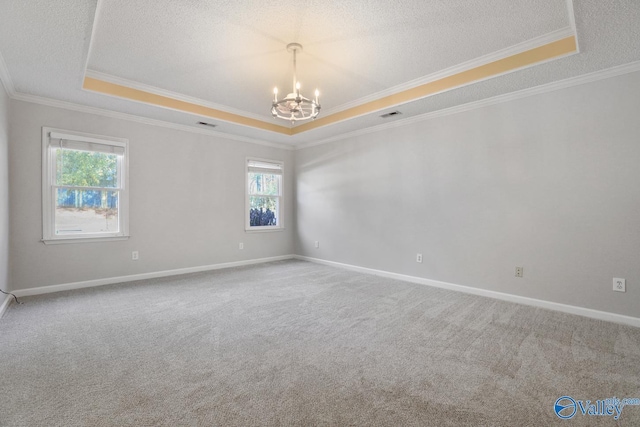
(519, 271)
(619, 285)
(241, 246)
(418, 257)
(135, 255)
(317, 243)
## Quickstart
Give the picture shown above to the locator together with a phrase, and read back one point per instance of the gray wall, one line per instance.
(549, 182)
(186, 202)
(4, 189)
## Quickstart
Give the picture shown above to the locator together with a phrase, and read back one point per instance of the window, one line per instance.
(264, 195)
(84, 187)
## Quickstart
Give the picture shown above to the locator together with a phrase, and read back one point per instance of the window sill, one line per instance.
(83, 240)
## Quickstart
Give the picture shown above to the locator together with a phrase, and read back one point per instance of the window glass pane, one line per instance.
(263, 211)
(86, 168)
(264, 183)
(86, 211)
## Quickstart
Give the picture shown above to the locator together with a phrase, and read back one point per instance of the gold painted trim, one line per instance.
(539, 54)
(501, 66)
(113, 89)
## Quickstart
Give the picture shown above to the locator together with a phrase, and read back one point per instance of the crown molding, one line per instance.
(462, 67)
(572, 22)
(94, 24)
(499, 63)
(524, 93)
(549, 87)
(553, 43)
(5, 78)
(139, 119)
(169, 94)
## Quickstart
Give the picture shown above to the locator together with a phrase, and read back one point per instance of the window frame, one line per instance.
(49, 185)
(247, 206)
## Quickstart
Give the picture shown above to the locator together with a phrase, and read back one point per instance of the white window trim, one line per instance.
(48, 177)
(263, 229)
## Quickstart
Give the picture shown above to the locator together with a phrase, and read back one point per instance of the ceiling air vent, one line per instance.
(391, 114)
(207, 124)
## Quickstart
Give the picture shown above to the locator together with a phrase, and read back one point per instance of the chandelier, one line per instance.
(294, 106)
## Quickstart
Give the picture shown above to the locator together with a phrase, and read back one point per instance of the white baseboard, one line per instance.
(565, 308)
(5, 304)
(154, 275)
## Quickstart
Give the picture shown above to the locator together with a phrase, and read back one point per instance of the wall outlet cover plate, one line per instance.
(619, 285)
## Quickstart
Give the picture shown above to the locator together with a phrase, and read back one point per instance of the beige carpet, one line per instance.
(299, 344)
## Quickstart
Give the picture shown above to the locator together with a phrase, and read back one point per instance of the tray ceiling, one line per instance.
(191, 61)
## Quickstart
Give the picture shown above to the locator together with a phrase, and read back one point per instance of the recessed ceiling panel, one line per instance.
(232, 54)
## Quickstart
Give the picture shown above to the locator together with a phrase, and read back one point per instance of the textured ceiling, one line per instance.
(230, 55)
(232, 52)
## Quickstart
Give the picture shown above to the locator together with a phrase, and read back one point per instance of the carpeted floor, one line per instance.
(296, 343)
